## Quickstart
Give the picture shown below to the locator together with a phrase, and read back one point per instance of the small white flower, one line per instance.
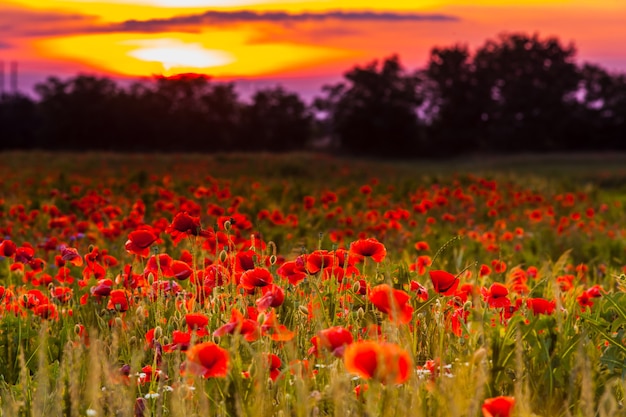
(91, 412)
(151, 395)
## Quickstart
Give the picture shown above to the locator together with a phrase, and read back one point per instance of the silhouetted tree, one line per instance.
(600, 118)
(78, 113)
(532, 84)
(375, 111)
(223, 116)
(458, 101)
(275, 121)
(18, 122)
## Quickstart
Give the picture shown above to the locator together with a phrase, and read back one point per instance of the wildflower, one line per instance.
(180, 341)
(276, 331)
(273, 296)
(118, 300)
(335, 339)
(444, 282)
(257, 277)
(498, 406)
(196, 321)
(386, 362)
(392, 302)
(8, 248)
(585, 299)
(71, 255)
(139, 242)
(496, 295)
(420, 290)
(541, 306)
(181, 270)
(103, 288)
(318, 260)
(274, 363)
(368, 248)
(185, 225)
(248, 328)
(207, 360)
(293, 271)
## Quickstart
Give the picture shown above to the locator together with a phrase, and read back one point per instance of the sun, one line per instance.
(173, 54)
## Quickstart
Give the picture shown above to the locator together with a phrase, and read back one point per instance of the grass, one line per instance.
(110, 331)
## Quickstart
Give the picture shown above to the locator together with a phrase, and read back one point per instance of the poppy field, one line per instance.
(304, 285)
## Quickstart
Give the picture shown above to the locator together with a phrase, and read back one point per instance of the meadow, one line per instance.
(309, 285)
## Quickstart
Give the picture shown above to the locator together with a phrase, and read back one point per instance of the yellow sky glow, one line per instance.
(222, 53)
(263, 48)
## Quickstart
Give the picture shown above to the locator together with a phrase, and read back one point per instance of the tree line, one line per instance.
(517, 93)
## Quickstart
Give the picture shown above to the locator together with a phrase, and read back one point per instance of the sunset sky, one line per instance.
(301, 44)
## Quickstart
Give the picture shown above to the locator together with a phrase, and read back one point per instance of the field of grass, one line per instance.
(307, 285)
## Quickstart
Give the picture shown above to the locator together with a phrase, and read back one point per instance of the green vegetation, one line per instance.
(307, 285)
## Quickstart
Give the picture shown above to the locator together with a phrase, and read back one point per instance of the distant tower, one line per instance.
(1, 78)
(14, 77)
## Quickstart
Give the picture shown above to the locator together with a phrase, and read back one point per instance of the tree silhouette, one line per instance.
(532, 84)
(18, 121)
(601, 111)
(459, 101)
(275, 121)
(375, 111)
(78, 113)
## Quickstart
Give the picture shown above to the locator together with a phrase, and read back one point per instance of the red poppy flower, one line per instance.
(257, 277)
(71, 255)
(273, 296)
(249, 329)
(444, 282)
(102, 288)
(334, 339)
(185, 225)
(318, 260)
(585, 299)
(196, 321)
(420, 265)
(180, 341)
(274, 363)
(181, 270)
(45, 311)
(386, 362)
(368, 248)
(8, 248)
(159, 265)
(139, 242)
(420, 290)
(392, 302)
(118, 300)
(498, 406)
(496, 295)
(293, 271)
(61, 294)
(208, 360)
(541, 306)
(276, 331)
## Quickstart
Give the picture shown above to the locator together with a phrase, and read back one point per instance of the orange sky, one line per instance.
(299, 43)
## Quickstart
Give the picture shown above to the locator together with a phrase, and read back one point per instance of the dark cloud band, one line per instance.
(224, 17)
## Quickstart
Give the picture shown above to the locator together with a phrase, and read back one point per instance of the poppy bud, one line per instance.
(222, 256)
(227, 225)
(303, 309)
(158, 332)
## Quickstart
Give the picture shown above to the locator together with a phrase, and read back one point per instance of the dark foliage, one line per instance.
(515, 93)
